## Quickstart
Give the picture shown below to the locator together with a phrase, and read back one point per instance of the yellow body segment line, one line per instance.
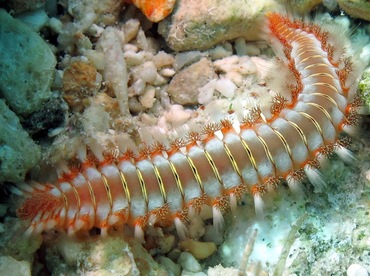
(107, 188)
(160, 183)
(195, 172)
(214, 168)
(142, 186)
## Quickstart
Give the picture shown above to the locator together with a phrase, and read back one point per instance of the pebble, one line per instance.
(14, 267)
(148, 98)
(189, 262)
(27, 66)
(183, 88)
(147, 72)
(18, 152)
(200, 250)
(169, 265)
(356, 270)
(226, 87)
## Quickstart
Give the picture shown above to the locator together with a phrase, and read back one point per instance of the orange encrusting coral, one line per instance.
(165, 184)
(155, 10)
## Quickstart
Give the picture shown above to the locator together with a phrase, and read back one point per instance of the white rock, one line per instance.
(139, 87)
(235, 77)
(148, 72)
(130, 47)
(177, 115)
(186, 58)
(148, 98)
(356, 270)
(240, 46)
(226, 87)
(10, 266)
(131, 29)
(167, 72)
(220, 52)
(189, 263)
(110, 43)
(226, 64)
(162, 59)
(132, 58)
(220, 270)
(206, 92)
(246, 66)
(252, 49)
(189, 273)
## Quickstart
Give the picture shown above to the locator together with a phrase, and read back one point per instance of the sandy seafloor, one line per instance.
(324, 232)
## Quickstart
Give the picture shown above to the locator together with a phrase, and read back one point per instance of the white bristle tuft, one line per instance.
(78, 225)
(104, 232)
(62, 167)
(233, 203)
(71, 232)
(351, 130)
(146, 135)
(160, 136)
(50, 224)
(345, 154)
(152, 219)
(96, 149)
(37, 186)
(124, 143)
(139, 233)
(315, 178)
(191, 212)
(29, 232)
(113, 219)
(81, 151)
(181, 229)
(25, 187)
(219, 134)
(259, 206)
(218, 219)
(14, 190)
(323, 160)
(214, 109)
(295, 186)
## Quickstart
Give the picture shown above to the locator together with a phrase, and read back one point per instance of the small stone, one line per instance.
(356, 8)
(187, 58)
(131, 28)
(166, 243)
(183, 88)
(188, 262)
(240, 46)
(176, 115)
(18, 152)
(226, 87)
(220, 52)
(147, 72)
(133, 59)
(80, 81)
(356, 270)
(169, 265)
(148, 98)
(51, 116)
(27, 66)
(206, 92)
(14, 267)
(203, 24)
(163, 59)
(200, 250)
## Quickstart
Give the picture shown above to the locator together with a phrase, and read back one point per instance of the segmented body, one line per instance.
(162, 184)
